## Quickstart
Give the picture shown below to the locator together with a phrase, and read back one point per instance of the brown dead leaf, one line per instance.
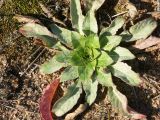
(26, 19)
(79, 110)
(143, 44)
(132, 10)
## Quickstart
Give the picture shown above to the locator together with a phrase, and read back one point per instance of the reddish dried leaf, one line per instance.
(46, 100)
(134, 114)
(147, 43)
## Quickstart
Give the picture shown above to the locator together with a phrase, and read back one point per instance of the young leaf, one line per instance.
(46, 100)
(64, 35)
(67, 102)
(93, 4)
(92, 41)
(104, 60)
(51, 66)
(124, 72)
(85, 72)
(90, 23)
(39, 32)
(110, 42)
(90, 87)
(76, 15)
(70, 73)
(120, 54)
(113, 28)
(142, 29)
(104, 77)
(120, 103)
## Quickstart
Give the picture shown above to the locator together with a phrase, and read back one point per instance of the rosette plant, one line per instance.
(90, 57)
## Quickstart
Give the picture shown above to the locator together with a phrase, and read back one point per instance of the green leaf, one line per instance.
(120, 103)
(142, 29)
(90, 23)
(77, 57)
(120, 54)
(124, 72)
(104, 60)
(70, 73)
(113, 28)
(93, 4)
(92, 41)
(64, 35)
(104, 77)
(118, 100)
(63, 56)
(90, 87)
(68, 101)
(76, 15)
(85, 72)
(39, 32)
(110, 42)
(51, 66)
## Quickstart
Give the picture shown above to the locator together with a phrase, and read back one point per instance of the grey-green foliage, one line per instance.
(93, 57)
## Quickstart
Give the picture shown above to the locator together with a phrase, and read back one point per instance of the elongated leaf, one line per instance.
(64, 35)
(90, 23)
(67, 102)
(70, 73)
(104, 60)
(120, 54)
(46, 100)
(85, 72)
(120, 103)
(93, 4)
(150, 41)
(104, 78)
(124, 72)
(142, 29)
(113, 28)
(51, 66)
(39, 32)
(90, 87)
(110, 42)
(76, 15)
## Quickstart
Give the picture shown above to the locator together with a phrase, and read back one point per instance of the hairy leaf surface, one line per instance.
(104, 60)
(90, 23)
(90, 87)
(39, 32)
(142, 29)
(120, 103)
(51, 66)
(67, 102)
(70, 73)
(110, 42)
(104, 77)
(64, 35)
(120, 54)
(124, 72)
(76, 15)
(113, 28)
(85, 72)
(93, 4)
